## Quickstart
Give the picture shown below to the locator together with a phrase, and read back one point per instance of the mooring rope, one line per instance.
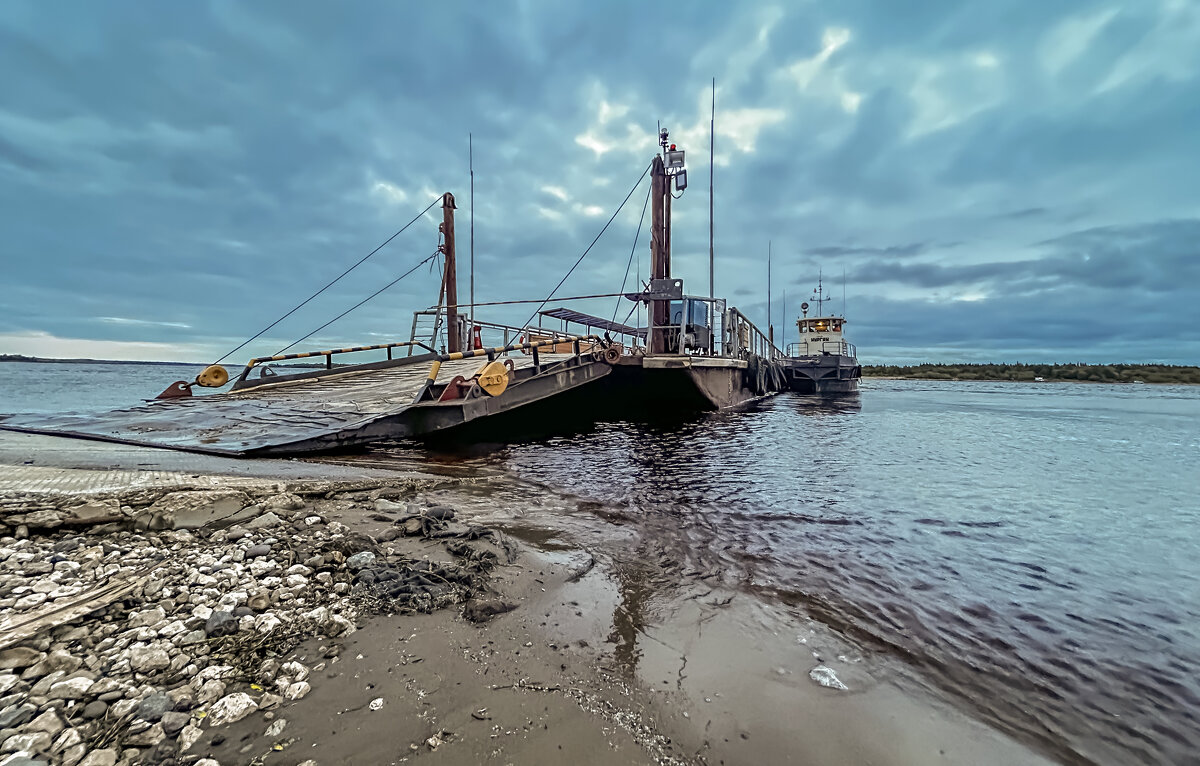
(435, 254)
(302, 303)
(589, 247)
(632, 250)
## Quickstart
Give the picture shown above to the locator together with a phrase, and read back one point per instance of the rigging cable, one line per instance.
(300, 305)
(364, 300)
(632, 250)
(589, 247)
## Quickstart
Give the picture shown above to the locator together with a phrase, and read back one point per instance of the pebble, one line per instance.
(148, 659)
(825, 676)
(173, 722)
(104, 757)
(233, 707)
(152, 707)
(95, 710)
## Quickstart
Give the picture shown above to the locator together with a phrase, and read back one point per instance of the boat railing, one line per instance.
(532, 347)
(329, 354)
(429, 330)
(691, 332)
(806, 348)
(742, 337)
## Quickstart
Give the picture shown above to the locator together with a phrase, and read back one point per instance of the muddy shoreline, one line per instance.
(581, 639)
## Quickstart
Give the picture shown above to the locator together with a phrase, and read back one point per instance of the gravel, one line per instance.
(204, 638)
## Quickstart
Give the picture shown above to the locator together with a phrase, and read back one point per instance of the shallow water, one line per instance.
(1028, 549)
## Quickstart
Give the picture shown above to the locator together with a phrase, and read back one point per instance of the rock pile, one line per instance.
(201, 637)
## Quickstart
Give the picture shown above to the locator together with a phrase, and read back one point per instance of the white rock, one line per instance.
(34, 742)
(207, 762)
(209, 691)
(263, 521)
(285, 502)
(70, 689)
(233, 707)
(215, 672)
(188, 737)
(7, 681)
(261, 566)
(294, 669)
(172, 629)
(147, 659)
(297, 690)
(104, 757)
(30, 601)
(146, 617)
(48, 723)
(276, 728)
(338, 626)
(267, 622)
(68, 739)
(318, 615)
(376, 703)
(827, 678)
(202, 611)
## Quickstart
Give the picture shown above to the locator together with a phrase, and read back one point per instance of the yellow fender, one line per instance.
(214, 376)
(493, 378)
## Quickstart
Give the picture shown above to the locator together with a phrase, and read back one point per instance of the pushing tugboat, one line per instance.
(822, 362)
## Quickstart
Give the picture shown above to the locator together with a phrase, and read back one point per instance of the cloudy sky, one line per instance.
(1005, 180)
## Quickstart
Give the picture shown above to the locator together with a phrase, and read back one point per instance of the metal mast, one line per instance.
(471, 165)
(712, 137)
(450, 277)
(660, 252)
(770, 326)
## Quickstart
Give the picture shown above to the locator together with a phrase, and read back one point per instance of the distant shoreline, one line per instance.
(1163, 374)
(43, 360)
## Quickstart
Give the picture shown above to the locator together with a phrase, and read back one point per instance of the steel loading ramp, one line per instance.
(322, 411)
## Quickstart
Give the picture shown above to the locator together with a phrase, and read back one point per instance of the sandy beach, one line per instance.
(472, 631)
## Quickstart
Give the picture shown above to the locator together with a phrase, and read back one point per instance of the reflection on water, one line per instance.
(1026, 548)
(630, 616)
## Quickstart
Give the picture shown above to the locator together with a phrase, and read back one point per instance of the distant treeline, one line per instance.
(42, 360)
(1088, 373)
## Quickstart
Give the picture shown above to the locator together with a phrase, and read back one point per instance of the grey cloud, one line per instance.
(211, 164)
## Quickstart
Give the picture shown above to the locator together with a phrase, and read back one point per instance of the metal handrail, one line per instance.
(716, 326)
(759, 343)
(491, 353)
(838, 346)
(329, 354)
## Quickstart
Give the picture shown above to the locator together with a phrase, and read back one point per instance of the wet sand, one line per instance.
(611, 656)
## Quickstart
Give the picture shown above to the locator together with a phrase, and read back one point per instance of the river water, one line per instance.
(1029, 550)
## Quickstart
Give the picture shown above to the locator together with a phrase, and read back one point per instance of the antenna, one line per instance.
(843, 291)
(770, 329)
(783, 339)
(819, 295)
(471, 165)
(712, 119)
